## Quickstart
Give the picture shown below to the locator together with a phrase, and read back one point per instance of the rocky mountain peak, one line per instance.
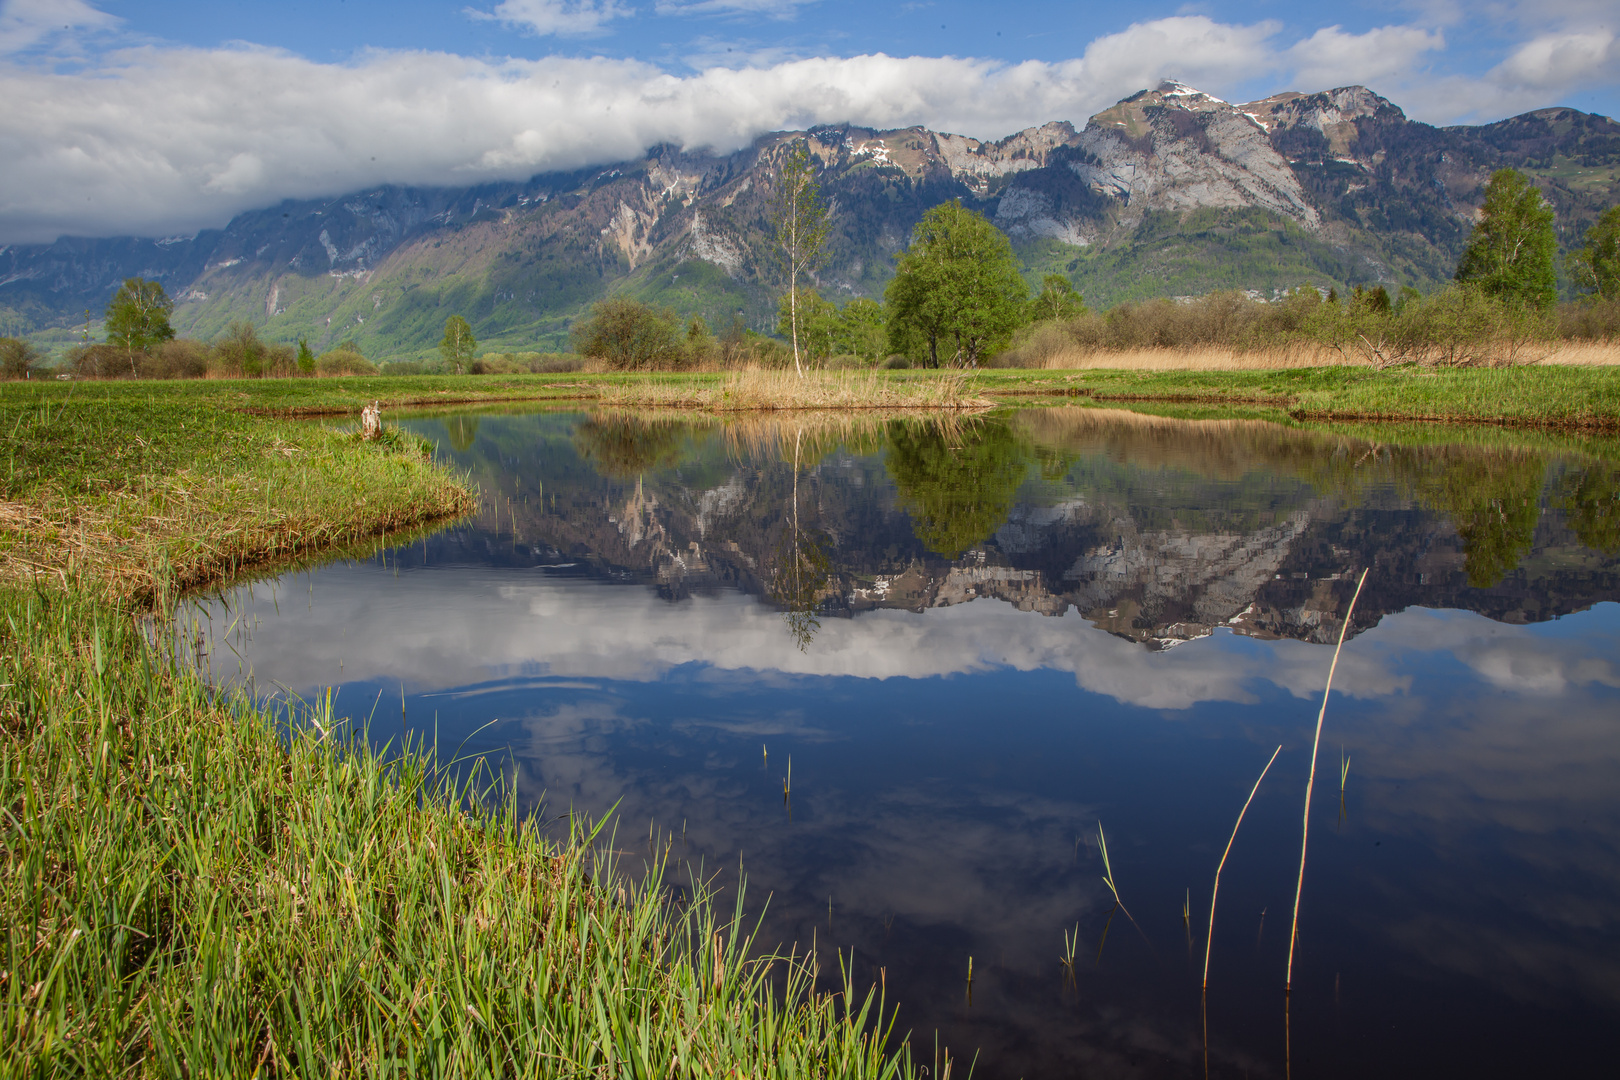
(1176, 148)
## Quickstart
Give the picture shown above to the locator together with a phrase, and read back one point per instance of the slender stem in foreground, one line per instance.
(1217, 889)
(1310, 781)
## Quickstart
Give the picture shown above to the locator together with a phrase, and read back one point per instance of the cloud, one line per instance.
(27, 23)
(1331, 58)
(163, 140)
(560, 17)
(1536, 74)
(781, 9)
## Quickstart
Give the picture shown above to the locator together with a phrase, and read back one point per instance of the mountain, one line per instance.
(1169, 192)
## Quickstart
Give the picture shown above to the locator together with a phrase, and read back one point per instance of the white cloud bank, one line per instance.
(157, 140)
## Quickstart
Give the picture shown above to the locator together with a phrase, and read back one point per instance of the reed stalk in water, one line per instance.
(1216, 891)
(1310, 781)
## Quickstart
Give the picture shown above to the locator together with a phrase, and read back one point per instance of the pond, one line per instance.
(985, 646)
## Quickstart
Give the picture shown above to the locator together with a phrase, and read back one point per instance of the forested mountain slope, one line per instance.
(1169, 192)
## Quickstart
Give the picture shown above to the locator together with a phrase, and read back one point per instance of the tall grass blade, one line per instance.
(1310, 781)
(1216, 891)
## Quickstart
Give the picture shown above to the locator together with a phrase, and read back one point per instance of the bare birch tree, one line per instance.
(801, 228)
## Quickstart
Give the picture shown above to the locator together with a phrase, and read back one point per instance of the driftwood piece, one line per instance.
(370, 421)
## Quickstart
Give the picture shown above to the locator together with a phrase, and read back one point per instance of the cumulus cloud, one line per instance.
(1536, 74)
(560, 17)
(1331, 58)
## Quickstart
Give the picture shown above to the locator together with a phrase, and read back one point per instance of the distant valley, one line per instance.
(1169, 192)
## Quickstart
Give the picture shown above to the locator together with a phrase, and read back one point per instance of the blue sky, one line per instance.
(162, 117)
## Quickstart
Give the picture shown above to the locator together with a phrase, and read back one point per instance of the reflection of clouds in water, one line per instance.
(1504, 784)
(1488, 753)
(438, 628)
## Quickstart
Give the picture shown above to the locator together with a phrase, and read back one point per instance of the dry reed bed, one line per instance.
(753, 389)
(1224, 358)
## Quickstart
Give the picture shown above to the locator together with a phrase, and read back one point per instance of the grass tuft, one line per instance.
(187, 892)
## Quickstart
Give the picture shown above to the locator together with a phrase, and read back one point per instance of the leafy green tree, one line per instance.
(1510, 255)
(17, 357)
(629, 335)
(956, 291)
(306, 358)
(1597, 265)
(458, 344)
(862, 331)
(1057, 299)
(801, 228)
(818, 325)
(138, 317)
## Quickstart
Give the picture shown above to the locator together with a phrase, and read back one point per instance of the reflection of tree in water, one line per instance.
(1495, 502)
(958, 486)
(1590, 500)
(802, 568)
(627, 445)
(462, 431)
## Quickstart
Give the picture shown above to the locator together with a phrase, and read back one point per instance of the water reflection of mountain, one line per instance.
(1157, 530)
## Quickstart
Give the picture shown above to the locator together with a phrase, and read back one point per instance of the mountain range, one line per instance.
(1169, 192)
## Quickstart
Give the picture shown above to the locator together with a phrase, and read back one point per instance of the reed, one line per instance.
(1310, 781)
(1215, 892)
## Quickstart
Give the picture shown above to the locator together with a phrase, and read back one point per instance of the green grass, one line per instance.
(186, 892)
(146, 486)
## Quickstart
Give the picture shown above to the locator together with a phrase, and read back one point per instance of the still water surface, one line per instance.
(977, 641)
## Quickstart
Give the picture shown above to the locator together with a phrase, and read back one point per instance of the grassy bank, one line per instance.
(1574, 396)
(137, 490)
(187, 894)
(187, 891)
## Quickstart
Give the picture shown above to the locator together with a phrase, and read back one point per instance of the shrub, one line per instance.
(628, 335)
(553, 363)
(182, 358)
(343, 360)
(497, 364)
(18, 358)
(241, 354)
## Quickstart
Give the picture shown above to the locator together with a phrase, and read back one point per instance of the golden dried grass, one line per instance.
(1222, 358)
(756, 390)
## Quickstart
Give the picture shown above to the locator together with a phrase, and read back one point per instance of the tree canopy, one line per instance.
(458, 343)
(629, 335)
(957, 292)
(1057, 299)
(138, 316)
(1510, 255)
(1597, 265)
